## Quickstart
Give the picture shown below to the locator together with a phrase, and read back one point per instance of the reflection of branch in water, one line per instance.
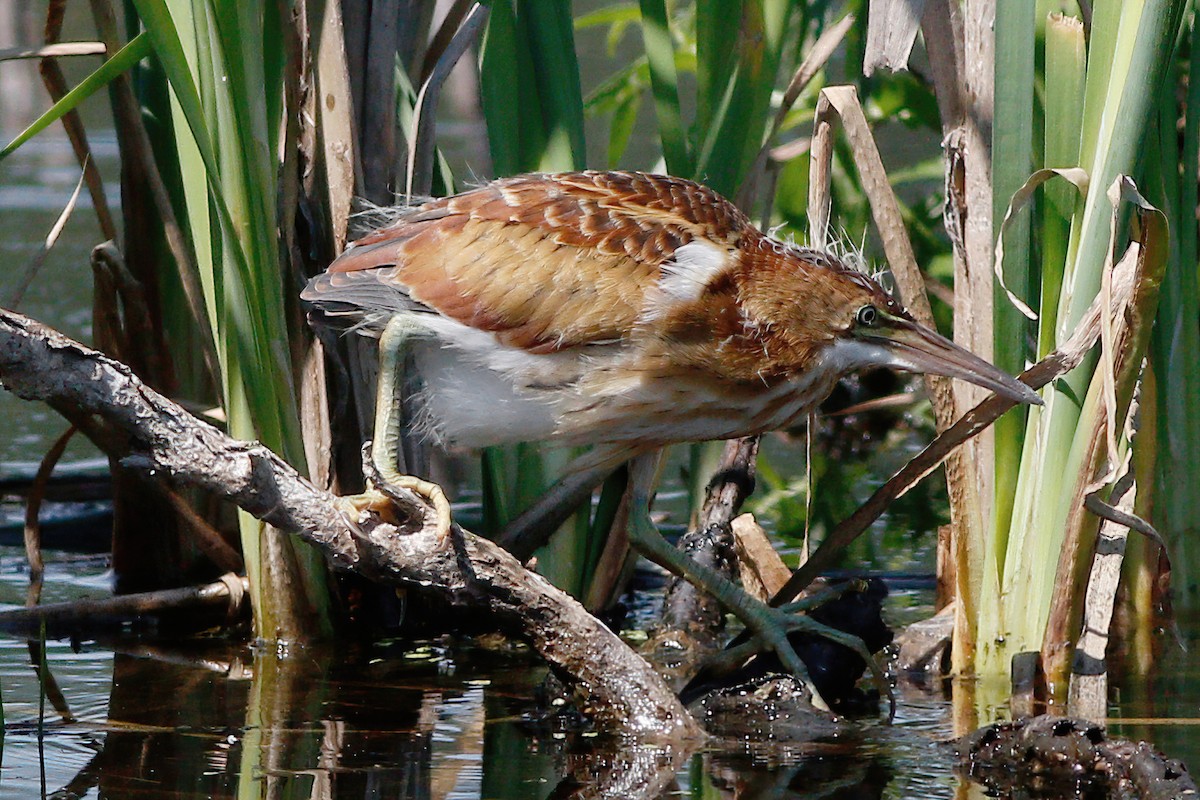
(816, 776)
(623, 773)
(85, 780)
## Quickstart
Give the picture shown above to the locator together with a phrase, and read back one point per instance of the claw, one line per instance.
(372, 501)
(878, 676)
(384, 495)
(428, 491)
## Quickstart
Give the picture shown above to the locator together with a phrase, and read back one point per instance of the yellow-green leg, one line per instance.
(382, 470)
(770, 626)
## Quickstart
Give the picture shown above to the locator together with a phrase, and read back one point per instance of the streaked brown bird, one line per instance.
(623, 310)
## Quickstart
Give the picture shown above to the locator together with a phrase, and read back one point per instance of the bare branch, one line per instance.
(612, 683)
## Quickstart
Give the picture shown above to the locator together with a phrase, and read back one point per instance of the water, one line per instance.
(151, 718)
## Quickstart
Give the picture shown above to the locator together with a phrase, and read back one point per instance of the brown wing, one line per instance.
(545, 261)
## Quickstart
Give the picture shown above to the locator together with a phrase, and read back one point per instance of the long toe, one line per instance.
(429, 492)
(393, 502)
(834, 670)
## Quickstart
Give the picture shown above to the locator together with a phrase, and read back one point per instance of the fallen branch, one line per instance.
(612, 684)
(66, 619)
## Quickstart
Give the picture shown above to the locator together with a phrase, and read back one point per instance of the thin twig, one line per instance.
(72, 122)
(33, 505)
(208, 538)
(39, 258)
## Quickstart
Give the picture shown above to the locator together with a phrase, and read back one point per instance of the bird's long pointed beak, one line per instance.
(919, 349)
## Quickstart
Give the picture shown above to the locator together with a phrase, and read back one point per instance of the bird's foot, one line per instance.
(386, 493)
(428, 491)
(771, 627)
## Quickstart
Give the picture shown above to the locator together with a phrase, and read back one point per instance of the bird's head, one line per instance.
(853, 323)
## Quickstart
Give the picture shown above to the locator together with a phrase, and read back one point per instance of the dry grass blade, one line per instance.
(1076, 176)
(820, 157)
(891, 33)
(1118, 516)
(39, 258)
(57, 50)
(818, 55)
(842, 102)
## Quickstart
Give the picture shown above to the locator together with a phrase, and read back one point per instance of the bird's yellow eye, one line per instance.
(867, 316)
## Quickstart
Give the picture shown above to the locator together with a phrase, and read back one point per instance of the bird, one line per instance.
(623, 310)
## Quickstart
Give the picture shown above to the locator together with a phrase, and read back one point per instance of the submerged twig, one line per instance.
(61, 619)
(33, 504)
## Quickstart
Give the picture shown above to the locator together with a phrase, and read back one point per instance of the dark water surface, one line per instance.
(211, 719)
(450, 719)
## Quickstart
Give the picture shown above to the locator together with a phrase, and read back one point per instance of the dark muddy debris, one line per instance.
(770, 708)
(1056, 757)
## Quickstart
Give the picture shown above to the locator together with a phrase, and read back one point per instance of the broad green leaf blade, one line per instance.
(664, 80)
(735, 92)
(1066, 64)
(1012, 161)
(160, 28)
(550, 35)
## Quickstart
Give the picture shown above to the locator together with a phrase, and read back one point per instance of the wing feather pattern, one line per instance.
(545, 262)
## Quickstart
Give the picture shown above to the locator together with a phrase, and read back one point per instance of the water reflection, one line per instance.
(217, 720)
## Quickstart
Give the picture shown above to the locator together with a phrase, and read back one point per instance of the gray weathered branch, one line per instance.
(611, 682)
